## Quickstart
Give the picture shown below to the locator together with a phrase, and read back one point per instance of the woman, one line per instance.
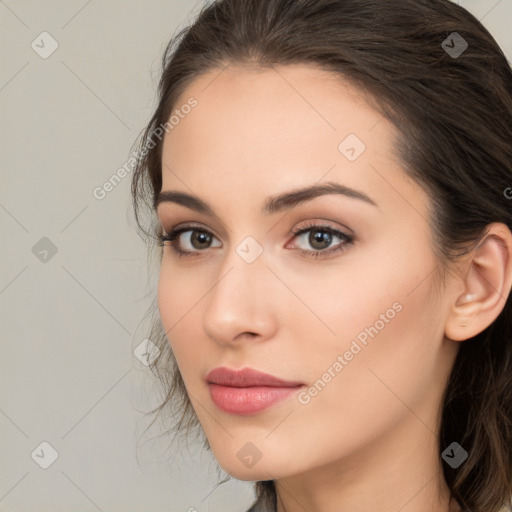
(330, 185)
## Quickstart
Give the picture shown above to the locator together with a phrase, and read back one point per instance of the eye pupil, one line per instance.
(319, 236)
(201, 238)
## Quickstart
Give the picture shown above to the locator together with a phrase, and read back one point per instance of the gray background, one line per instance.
(70, 320)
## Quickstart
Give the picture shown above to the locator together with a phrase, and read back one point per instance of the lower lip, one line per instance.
(248, 400)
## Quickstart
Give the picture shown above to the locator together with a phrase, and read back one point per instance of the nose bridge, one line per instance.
(240, 300)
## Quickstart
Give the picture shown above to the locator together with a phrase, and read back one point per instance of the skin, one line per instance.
(368, 440)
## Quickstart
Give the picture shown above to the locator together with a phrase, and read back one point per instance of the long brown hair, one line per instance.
(435, 72)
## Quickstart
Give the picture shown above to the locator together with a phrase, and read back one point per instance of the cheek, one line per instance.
(380, 325)
(178, 292)
(168, 293)
(346, 301)
(376, 389)
(177, 297)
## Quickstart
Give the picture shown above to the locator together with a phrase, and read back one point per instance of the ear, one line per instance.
(486, 285)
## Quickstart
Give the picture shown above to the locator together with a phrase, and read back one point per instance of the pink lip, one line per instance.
(246, 377)
(247, 391)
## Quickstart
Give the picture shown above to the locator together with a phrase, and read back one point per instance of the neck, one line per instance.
(400, 471)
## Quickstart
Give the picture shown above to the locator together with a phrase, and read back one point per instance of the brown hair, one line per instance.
(453, 113)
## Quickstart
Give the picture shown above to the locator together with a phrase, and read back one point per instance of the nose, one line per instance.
(242, 303)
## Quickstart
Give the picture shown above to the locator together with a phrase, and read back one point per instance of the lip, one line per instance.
(246, 377)
(247, 391)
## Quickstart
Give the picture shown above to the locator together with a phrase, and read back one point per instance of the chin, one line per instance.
(236, 469)
(263, 469)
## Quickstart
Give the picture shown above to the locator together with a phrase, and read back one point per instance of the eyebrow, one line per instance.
(275, 204)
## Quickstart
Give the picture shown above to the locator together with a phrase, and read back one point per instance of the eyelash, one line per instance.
(347, 240)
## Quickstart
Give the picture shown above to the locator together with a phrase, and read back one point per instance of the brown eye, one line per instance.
(196, 242)
(200, 239)
(320, 239)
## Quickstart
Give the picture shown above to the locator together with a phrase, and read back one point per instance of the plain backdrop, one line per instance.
(74, 280)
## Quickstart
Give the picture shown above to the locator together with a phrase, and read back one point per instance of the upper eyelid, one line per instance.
(318, 221)
(346, 240)
(340, 233)
(306, 203)
(295, 232)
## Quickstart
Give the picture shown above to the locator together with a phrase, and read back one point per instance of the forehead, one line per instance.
(273, 104)
(266, 130)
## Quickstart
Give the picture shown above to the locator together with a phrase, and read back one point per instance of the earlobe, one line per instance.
(486, 285)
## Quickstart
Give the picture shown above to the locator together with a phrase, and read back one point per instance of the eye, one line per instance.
(198, 240)
(320, 238)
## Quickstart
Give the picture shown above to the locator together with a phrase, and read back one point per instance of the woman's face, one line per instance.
(350, 315)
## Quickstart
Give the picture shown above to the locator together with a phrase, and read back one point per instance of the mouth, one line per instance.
(248, 391)
(247, 377)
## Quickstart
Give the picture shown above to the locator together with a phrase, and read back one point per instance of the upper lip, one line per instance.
(246, 377)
